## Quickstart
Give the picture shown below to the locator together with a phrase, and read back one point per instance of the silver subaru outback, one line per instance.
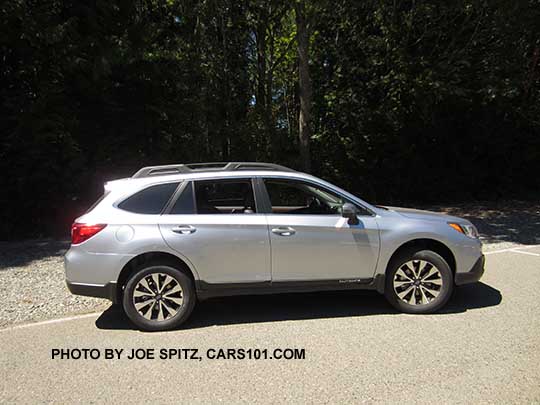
(171, 235)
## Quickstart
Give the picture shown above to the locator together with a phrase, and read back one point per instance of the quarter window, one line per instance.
(151, 200)
(225, 197)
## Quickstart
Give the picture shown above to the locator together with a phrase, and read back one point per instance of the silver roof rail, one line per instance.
(206, 167)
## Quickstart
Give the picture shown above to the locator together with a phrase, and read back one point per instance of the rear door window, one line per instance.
(225, 197)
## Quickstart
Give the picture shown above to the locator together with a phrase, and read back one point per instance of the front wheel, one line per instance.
(419, 282)
(159, 298)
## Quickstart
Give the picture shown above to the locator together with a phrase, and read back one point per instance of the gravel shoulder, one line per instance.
(32, 272)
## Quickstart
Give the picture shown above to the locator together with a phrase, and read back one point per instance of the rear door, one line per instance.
(216, 225)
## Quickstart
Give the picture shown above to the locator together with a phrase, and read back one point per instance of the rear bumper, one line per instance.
(108, 291)
(473, 275)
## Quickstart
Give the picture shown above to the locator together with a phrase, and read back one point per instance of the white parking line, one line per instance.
(513, 249)
(525, 253)
(60, 320)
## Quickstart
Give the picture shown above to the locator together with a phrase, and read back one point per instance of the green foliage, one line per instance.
(425, 100)
(413, 101)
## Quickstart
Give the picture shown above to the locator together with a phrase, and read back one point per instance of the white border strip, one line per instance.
(51, 321)
(514, 249)
(526, 253)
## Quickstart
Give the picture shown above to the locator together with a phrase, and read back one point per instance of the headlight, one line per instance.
(470, 230)
(466, 229)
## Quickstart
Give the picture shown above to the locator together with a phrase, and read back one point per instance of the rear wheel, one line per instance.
(419, 282)
(159, 298)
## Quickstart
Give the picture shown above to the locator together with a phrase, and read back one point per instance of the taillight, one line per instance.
(82, 232)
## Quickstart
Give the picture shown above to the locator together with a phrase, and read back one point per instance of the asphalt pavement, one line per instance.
(483, 348)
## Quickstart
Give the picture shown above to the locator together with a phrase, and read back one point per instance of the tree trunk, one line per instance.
(304, 86)
(262, 98)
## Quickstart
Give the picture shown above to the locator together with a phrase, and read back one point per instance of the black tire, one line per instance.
(434, 302)
(171, 321)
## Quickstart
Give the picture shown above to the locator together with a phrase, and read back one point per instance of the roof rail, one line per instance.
(206, 167)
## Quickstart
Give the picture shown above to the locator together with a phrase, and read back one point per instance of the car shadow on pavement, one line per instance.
(302, 306)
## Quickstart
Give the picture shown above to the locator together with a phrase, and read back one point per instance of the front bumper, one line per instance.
(473, 275)
(108, 291)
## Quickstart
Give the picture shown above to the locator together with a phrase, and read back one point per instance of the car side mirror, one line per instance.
(349, 211)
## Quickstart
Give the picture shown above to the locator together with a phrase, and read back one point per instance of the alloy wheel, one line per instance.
(158, 297)
(417, 282)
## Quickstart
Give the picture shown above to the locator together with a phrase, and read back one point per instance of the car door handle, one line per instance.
(284, 231)
(184, 229)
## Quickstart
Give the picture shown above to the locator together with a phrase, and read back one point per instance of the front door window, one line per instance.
(300, 198)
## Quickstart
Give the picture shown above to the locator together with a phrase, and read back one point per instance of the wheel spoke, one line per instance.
(416, 267)
(421, 267)
(145, 285)
(402, 274)
(411, 268)
(149, 305)
(160, 314)
(139, 293)
(437, 281)
(150, 312)
(402, 283)
(413, 299)
(167, 281)
(155, 279)
(424, 297)
(177, 301)
(403, 294)
(169, 309)
(431, 273)
(174, 290)
(140, 305)
(431, 291)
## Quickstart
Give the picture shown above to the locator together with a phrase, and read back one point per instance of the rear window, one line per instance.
(151, 200)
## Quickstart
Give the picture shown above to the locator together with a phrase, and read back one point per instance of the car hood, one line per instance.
(425, 215)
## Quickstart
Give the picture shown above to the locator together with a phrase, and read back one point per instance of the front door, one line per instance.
(310, 240)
